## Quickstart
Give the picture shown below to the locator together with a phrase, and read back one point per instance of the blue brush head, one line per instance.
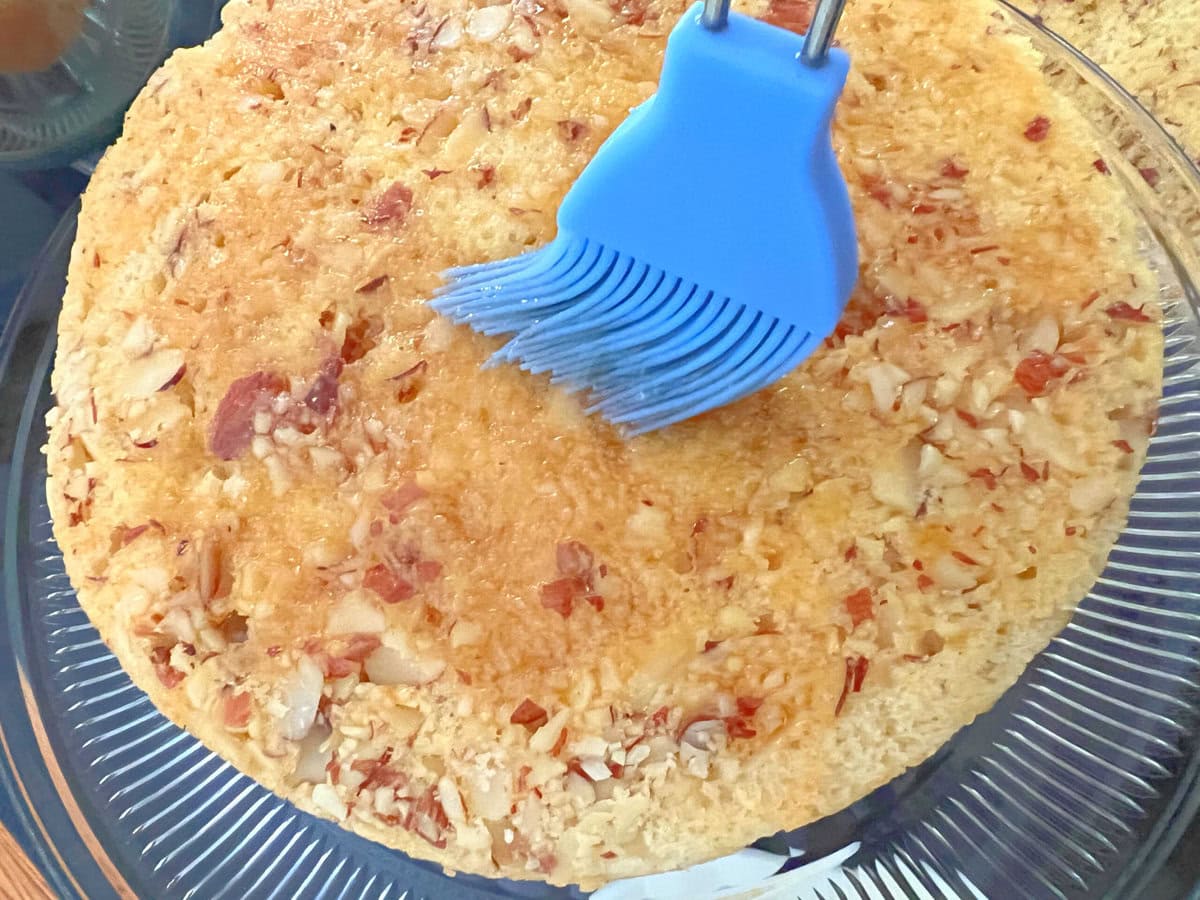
(704, 252)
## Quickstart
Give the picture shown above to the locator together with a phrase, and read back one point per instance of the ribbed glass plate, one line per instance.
(1077, 784)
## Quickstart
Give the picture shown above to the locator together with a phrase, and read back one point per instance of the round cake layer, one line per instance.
(438, 604)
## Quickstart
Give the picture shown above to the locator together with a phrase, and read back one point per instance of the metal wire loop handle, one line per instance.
(715, 14)
(820, 33)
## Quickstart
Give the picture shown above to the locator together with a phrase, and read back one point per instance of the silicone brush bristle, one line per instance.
(677, 284)
(659, 348)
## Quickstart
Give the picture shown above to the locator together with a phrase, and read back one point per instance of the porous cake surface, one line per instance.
(1151, 49)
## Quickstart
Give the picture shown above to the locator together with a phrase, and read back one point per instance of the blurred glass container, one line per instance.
(70, 68)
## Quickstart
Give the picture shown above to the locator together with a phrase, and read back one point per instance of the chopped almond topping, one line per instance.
(1038, 129)
(168, 675)
(951, 169)
(560, 595)
(910, 309)
(322, 396)
(410, 381)
(390, 587)
(748, 706)
(374, 284)
(794, 15)
(737, 727)
(1122, 310)
(530, 715)
(560, 743)
(860, 605)
(403, 497)
(237, 710)
(574, 558)
(389, 208)
(1035, 372)
(987, 476)
(233, 425)
(360, 338)
(856, 673)
(572, 130)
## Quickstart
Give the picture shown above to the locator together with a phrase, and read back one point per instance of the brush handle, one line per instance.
(816, 43)
(820, 33)
(779, 228)
(715, 14)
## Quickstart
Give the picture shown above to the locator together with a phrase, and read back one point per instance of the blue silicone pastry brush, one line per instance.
(708, 247)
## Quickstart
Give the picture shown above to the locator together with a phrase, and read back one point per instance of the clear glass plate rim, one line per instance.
(15, 669)
(18, 733)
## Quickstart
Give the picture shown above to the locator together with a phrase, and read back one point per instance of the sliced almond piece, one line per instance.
(487, 24)
(387, 665)
(153, 373)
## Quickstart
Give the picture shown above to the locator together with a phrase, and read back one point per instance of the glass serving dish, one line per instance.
(1077, 784)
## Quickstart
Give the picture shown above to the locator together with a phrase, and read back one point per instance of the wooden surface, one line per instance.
(19, 878)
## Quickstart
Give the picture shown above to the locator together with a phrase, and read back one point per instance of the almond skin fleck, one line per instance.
(389, 208)
(572, 130)
(233, 425)
(1035, 372)
(1127, 313)
(529, 714)
(560, 595)
(794, 15)
(951, 169)
(390, 587)
(369, 286)
(860, 606)
(1038, 129)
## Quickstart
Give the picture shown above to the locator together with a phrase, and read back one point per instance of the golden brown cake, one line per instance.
(442, 607)
(1151, 49)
